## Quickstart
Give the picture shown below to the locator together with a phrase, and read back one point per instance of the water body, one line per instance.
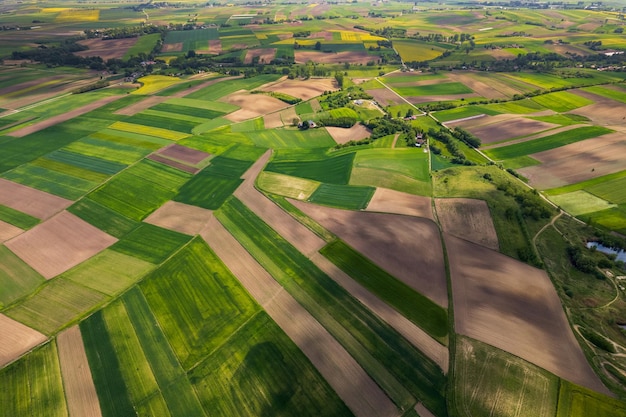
(621, 254)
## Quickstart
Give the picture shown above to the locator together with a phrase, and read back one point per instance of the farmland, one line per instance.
(178, 239)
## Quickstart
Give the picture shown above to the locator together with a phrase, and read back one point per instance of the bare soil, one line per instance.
(8, 231)
(106, 49)
(293, 231)
(272, 121)
(494, 129)
(336, 365)
(353, 57)
(514, 307)
(180, 217)
(578, 161)
(343, 135)
(62, 117)
(36, 203)
(468, 219)
(485, 90)
(184, 154)
(252, 105)
(80, 391)
(326, 35)
(144, 104)
(415, 335)
(604, 111)
(392, 201)
(59, 243)
(16, 339)
(173, 164)
(407, 247)
(303, 89)
(265, 55)
(385, 97)
(288, 115)
(172, 47)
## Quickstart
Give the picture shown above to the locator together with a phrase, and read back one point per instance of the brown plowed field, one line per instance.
(494, 130)
(604, 111)
(265, 55)
(304, 89)
(272, 121)
(578, 161)
(385, 97)
(16, 339)
(59, 243)
(80, 392)
(62, 117)
(180, 217)
(184, 154)
(146, 103)
(343, 135)
(8, 231)
(31, 201)
(514, 307)
(173, 164)
(106, 49)
(485, 90)
(339, 369)
(298, 235)
(288, 115)
(172, 47)
(416, 336)
(353, 57)
(252, 105)
(407, 247)
(468, 219)
(392, 201)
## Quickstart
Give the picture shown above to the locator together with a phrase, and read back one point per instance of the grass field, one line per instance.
(109, 150)
(335, 170)
(150, 243)
(342, 196)
(413, 305)
(613, 190)
(561, 101)
(576, 401)
(145, 44)
(413, 50)
(412, 163)
(463, 112)
(290, 138)
(33, 386)
(187, 110)
(17, 279)
(401, 370)
(207, 190)
(102, 217)
(581, 202)
(17, 218)
(441, 89)
(546, 143)
(151, 84)
(51, 181)
(286, 185)
(608, 93)
(224, 88)
(148, 130)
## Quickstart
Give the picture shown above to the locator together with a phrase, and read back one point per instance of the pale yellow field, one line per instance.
(154, 83)
(148, 130)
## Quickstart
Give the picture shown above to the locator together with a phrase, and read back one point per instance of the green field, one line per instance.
(581, 202)
(413, 305)
(286, 185)
(348, 197)
(442, 89)
(290, 138)
(102, 217)
(187, 110)
(463, 112)
(150, 243)
(168, 123)
(144, 44)
(51, 181)
(17, 218)
(197, 40)
(17, 279)
(86, 162)
(546, 143)
(413, 50)
(33, 386)
(109, 150)
(613, 94)
(576, 401)
(412, 163)
(561, 101)
(226, 87)
(613, 190)
(403, 372)
(334, 170)
(207, 190)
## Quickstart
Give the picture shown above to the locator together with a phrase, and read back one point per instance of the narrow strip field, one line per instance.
(80, 392)
(28, 200)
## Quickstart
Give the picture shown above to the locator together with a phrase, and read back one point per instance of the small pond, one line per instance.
(621, 254)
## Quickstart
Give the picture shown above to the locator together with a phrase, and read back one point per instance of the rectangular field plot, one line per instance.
(491, 382)
(350, 197)
(561, 101)
(330, 170)
(50, 181)
(117, 153)
(141, 189)
(33, 386)
(612, 190)
(434, 90)
(199, 107)
(102, 217)
(17, 279)
(132, 139)
(148, 130)
(260, 370)
(192, 39)
(58, 303)
(223, 88)
(150, 243)
(197, 301)
(17, 218)
(160, 121)
(177, 109)
(287, 138)
(207, 190)
(402, 371)
(581, 202)
(109, 272)
(228, 167)
(286, 185)
(412, 163)
(91, 163)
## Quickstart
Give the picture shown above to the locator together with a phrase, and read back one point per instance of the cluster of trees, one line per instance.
(443, 136)
(531, 204)
(337, 99)
(465, 136)
(124, 32)
(384, 126)
(62, 55)
(583, 262)
(95, 86)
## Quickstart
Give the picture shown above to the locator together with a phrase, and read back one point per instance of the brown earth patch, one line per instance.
(409, 248)
(252, 105)
(303, 89)
(288, 115)
(106, 49)
(31, 201)
(492, 129)
(604, 111)
(16, 339)
(326, 35)
(180, 217)
(337, 366)
(184, 154)
(385, 97)
(578, 161)
(514, 307)
(481, 88)
(59, 243)
(80, 391)
(392, 201)
(266, 55)
(468, 219)
(172, 47)
(8, 231)
(343, 135)
(272, 121)
(142, 105)
(62, 117)
(173, 164)
(293, 231)
(353, 57)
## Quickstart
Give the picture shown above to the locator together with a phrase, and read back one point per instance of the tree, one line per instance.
(318, 45)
